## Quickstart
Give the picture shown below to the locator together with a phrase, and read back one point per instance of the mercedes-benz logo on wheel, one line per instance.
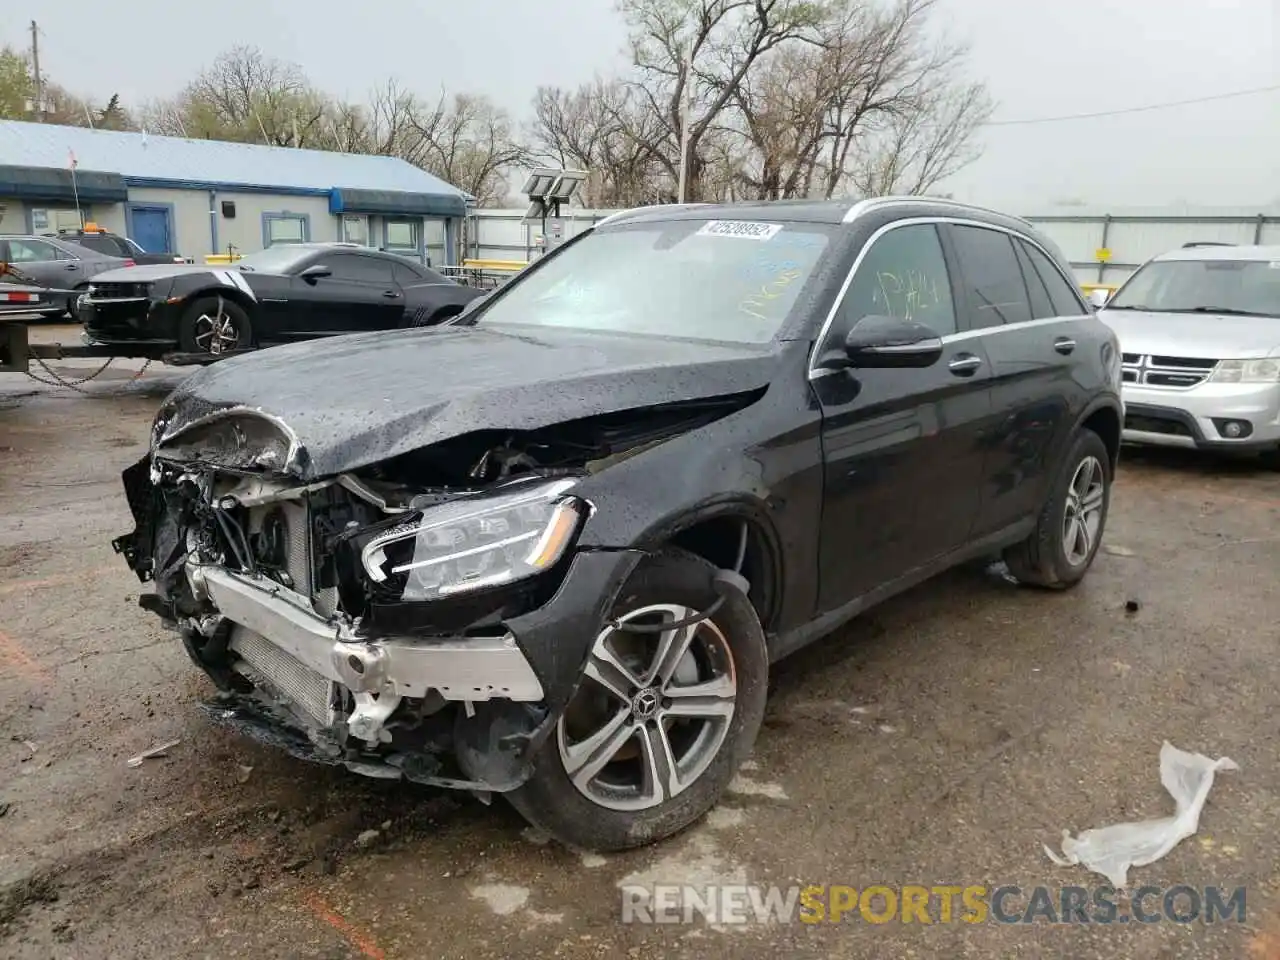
(645, 704)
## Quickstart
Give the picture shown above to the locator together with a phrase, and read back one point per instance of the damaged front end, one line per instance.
(415, 618)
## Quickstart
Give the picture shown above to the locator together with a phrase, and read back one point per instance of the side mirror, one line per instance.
(315, 272)
(1099, 297)
(883, 342)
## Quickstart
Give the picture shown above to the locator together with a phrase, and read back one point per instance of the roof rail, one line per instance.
(1207, 243)
(617, 214)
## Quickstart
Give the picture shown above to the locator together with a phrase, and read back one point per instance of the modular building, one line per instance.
(201, 197)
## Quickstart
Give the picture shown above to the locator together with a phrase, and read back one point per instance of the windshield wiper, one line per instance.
(1125, 306)
(1229, 311)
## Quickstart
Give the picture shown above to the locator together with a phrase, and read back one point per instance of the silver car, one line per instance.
(55, 263)
(1199, 329)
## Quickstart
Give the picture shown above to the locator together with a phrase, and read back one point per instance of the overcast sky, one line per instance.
(1040, 58)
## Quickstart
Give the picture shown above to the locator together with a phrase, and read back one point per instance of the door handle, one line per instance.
(72, 266)
(391, 294)
(1064, 344)
(964, 365)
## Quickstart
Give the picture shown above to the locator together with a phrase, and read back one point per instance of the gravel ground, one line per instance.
(939, 740)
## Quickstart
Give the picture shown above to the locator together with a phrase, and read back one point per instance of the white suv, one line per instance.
(1199, 329)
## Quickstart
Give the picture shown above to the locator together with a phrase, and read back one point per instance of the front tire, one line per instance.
(659, 722)
(1069, 530)
(214, 326)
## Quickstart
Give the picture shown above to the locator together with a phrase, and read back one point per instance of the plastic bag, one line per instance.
(1112, 850)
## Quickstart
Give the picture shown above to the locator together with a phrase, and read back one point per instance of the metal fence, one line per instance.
(1103, 247)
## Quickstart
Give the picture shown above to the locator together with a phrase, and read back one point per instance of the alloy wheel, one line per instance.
(1082, 517)
(216, 334)
(652, 712)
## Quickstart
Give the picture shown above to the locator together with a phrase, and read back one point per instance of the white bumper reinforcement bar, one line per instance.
(472, 669)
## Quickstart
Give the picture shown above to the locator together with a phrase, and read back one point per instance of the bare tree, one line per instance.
(920, 148)
(876, 105)
(247, 96)
(603, 128)
(469, 142)
(902, 105)
(723, 39)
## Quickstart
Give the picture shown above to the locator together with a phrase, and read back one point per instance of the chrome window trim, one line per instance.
(861, 207)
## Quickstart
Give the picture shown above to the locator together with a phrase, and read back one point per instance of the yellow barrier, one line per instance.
(1088, 288)
(508, 266)
(221, 257)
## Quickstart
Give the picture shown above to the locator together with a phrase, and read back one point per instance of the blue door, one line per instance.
(150, 229)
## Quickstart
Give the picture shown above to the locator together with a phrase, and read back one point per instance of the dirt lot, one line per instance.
(940, 740)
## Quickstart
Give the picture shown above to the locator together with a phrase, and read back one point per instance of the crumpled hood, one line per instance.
(356, 400)
(1206, 335)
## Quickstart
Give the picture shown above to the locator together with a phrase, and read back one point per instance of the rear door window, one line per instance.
(1066, 299)
(1041, 306)
(993, 280)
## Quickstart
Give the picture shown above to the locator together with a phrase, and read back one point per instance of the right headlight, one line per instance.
(477, 542)
(1246, 371)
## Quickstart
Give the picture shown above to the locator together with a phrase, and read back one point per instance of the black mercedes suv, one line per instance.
(550, 548)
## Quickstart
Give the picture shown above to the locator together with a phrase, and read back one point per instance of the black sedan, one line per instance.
(282, 294)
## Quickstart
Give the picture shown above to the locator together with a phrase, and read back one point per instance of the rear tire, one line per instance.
(641, 773)
(1068, 533)
(202, 329)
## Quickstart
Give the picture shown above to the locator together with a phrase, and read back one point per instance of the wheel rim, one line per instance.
(216, 334)
(1082, 518)
(652, 712)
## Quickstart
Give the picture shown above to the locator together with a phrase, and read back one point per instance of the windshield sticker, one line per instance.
(741, 229)
(1274, 264)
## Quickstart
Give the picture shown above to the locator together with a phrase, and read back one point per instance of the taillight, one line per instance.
(130, 263)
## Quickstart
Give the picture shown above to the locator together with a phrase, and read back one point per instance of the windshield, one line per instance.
(1249, 287)
(272, 260)
(724, 280)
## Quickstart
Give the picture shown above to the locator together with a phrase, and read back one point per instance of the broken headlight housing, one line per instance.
(238, 441)
(477, 542)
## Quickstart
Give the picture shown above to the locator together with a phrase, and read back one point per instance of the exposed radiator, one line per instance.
(265, 664)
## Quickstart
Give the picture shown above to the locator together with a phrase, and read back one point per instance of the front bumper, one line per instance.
(1197, 418)
(139, 322)
(474, 669)
(336, 697)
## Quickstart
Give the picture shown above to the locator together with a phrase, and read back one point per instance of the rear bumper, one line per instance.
(1199, 418)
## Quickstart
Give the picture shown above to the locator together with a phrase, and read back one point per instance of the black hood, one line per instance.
(151, 272)
(357, 400)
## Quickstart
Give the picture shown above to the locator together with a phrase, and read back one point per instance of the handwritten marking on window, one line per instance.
(908, 294)
(756, 303)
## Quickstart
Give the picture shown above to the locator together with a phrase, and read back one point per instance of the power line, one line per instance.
(1115, 113)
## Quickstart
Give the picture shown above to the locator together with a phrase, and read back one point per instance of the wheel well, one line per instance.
(233, 296)
(717, 539)
(1106, 424)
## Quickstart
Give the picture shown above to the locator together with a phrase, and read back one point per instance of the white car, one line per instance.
(1199, 330)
